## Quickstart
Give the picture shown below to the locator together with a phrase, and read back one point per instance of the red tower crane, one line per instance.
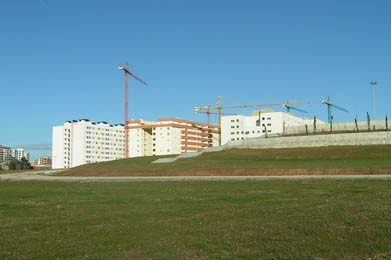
(127, 73)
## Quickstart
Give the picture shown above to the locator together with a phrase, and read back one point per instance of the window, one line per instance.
(258, 123)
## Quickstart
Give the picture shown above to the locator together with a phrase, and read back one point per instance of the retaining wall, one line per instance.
(368, 138)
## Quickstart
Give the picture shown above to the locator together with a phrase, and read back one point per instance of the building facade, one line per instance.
(80, 142)
(260, 123)
(20, 153)
(170, 136)
(5, 154)
(44, 161)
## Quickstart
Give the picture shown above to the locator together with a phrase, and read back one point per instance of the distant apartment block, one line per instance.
(5, 153)
(20, 153)
(80, 142)
(260, 123)
(170, 136)
(44, 161)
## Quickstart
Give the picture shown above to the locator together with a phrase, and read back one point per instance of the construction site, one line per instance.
(265, 128)
(230, 129)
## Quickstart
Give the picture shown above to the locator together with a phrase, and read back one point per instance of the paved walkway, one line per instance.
(45, 176)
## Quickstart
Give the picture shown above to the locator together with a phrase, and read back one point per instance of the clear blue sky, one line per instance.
(58, 59)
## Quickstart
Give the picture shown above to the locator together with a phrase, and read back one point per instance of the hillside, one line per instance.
(374, 159)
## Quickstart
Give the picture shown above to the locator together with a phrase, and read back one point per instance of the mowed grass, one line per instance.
(347, 219)
(374, 159)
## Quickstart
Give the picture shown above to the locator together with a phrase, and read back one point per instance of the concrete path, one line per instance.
(45, 176)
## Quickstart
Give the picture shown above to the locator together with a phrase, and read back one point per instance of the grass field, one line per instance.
(196, 220)
(374, 159)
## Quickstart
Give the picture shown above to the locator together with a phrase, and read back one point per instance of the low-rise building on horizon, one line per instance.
(43, 161)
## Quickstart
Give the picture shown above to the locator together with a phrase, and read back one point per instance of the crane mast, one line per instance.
(127, 73)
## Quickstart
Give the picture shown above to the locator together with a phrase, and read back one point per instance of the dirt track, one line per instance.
(45, 176)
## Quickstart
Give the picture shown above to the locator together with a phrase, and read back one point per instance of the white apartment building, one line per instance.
(170, 136)
(19, 153)
(260, 123)
(80, 142)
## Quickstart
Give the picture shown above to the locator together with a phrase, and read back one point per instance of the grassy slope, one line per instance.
(320, 160)
(188, 220)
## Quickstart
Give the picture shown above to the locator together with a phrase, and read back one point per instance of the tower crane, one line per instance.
(289, 107)
(220, 108)
(127, 73)
(329, 106)
(207, 112)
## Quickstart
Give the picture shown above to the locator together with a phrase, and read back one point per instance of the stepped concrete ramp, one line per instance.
(190, 155)
(165, 160)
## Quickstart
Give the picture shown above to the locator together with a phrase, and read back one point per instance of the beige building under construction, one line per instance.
(170, 136)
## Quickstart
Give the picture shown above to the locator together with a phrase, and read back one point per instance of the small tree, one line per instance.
(24, 164)
(12, 165)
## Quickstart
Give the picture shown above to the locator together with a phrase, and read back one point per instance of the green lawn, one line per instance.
(196, 220)
(320, 160)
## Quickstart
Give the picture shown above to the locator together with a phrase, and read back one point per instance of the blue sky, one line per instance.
(58, 59)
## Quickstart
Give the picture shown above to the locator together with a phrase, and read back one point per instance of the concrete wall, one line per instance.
(369, 138)
(350, 126)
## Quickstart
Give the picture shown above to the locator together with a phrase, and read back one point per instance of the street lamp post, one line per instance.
(373, 84)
